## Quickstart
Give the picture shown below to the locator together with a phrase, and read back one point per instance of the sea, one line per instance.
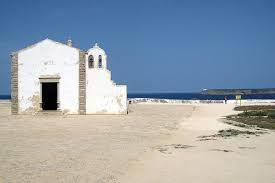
(185, 96)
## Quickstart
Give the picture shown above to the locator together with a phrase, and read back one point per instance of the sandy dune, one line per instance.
(154, 143)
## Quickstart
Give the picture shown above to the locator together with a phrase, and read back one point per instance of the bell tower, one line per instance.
(103, 96)
(97, 58)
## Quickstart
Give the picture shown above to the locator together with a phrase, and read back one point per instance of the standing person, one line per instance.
(225, 100)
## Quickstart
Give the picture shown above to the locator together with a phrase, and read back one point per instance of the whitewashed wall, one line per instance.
(48, 58)
(103, 96)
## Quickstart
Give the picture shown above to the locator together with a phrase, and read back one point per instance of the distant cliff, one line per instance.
(238, 91)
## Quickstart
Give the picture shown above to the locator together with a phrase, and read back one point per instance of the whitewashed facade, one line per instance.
(54, 76)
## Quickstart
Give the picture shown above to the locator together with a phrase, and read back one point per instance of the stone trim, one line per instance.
(14, 83)
(82, 83)
(49, 79)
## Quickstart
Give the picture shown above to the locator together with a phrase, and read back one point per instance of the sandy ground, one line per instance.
(154, 143)
(236, 159)
(82, 148)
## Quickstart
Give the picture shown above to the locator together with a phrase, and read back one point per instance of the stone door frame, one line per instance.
(50, 79)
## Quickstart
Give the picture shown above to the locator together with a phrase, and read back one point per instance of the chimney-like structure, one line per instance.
(70, 42)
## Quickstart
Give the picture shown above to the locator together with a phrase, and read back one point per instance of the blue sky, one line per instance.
(154, 46)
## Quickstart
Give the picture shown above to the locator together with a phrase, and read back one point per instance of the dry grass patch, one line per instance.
(262, 116)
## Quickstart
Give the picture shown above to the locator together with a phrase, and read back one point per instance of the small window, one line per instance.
(91, 61)
(99, 61)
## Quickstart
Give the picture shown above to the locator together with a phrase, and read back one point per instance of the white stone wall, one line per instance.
(103, 96)
(48, 58)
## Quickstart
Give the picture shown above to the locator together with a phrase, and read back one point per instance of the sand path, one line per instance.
(236, 159)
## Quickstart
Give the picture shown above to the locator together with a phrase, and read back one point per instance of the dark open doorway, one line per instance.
(49, 96)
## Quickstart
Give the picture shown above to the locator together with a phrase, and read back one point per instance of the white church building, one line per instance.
(53, 76)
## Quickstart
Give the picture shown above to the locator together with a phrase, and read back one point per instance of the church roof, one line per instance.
(47, 39)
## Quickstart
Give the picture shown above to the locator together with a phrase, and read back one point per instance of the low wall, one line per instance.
(173, 101)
